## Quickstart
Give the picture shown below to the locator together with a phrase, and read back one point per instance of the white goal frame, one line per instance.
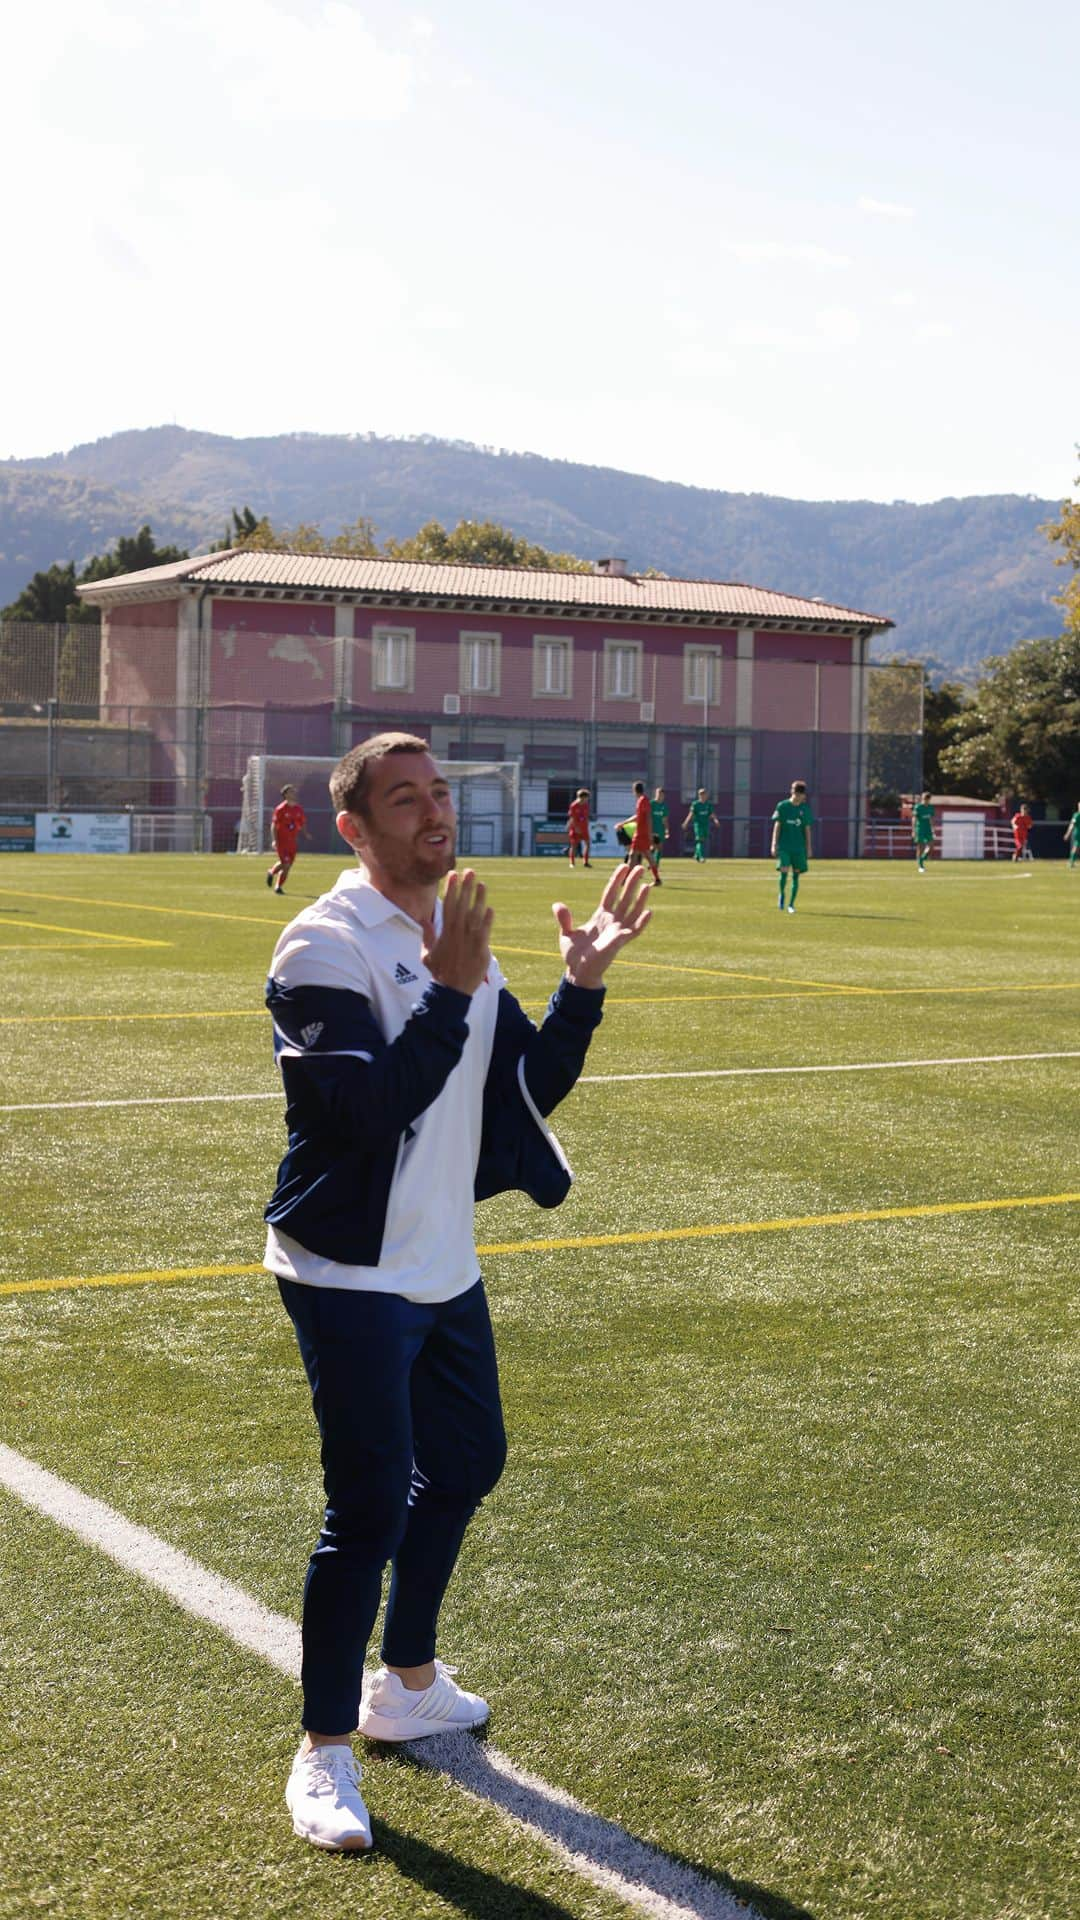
(267, 773)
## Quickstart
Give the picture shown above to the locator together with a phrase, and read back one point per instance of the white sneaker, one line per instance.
(323, 1796)
(389, 1711)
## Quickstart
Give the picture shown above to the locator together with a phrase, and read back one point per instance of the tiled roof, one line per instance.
(622, 594)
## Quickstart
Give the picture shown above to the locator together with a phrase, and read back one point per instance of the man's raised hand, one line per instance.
(460, 954)
(588, 951)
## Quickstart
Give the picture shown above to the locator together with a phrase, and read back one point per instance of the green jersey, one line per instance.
(922, 823)
(660, 811)
(792, 818)
(1074, 828)
(700, 816)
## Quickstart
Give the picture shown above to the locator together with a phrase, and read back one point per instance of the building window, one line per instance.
(622, 669)
(393, 650)
(701, 676)
(552, 668)
(700, 768)
(480, 662)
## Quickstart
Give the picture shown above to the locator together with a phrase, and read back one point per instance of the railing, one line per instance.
(169, 832)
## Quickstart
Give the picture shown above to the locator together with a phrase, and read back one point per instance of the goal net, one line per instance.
(487, 799)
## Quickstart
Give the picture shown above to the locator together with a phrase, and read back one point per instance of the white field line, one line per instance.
(586, 1080)
(598, 1850)
(144, 1100)
(854, 1066)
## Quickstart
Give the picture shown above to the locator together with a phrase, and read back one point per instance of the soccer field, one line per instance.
(780, 1578)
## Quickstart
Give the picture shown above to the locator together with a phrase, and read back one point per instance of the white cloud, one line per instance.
(838, 326)
(696, 361)
(904, 297)
(800, 253)
(833, 327)
(143, 69)
(935, 330)
(438, 319)
(885, 209)
(772, 339)
(322, 67)
(114, 251)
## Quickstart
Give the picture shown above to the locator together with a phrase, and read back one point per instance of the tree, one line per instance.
(358, 540)
(942, 708)
(242, 531)
(1064, 532)
(894, 706)
(47, 599)
(481, 543)
(255, 535)
(902, 695)
(51, 599)
(1020, 733)
(261, 536)
(131, 554)
(478, 543)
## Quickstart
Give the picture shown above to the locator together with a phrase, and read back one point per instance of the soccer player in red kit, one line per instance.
(641, 845)
(577, 826)
(1021, 825)
(288, 820)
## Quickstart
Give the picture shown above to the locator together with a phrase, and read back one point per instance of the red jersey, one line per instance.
(1021, 826)
(643, 834)
(577, 819)
(287, 820)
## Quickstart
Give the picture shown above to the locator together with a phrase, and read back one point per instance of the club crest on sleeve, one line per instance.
(310, 1034)
(403, 977)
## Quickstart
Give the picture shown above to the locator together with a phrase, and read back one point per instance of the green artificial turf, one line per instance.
(781, 1575)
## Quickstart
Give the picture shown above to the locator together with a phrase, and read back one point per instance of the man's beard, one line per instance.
(423, 869)
(408, 864)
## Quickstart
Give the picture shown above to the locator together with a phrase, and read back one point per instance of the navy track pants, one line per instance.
(406, 1396)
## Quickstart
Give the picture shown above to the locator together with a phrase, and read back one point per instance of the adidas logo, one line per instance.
(403, 977)
(310, 1034)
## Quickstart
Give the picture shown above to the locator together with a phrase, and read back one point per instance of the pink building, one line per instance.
(592, 679)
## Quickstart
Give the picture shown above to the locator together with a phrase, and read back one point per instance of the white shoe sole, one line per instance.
(331, 1846)
(379, 1726)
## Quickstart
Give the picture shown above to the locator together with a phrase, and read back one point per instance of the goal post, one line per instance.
(487, 799)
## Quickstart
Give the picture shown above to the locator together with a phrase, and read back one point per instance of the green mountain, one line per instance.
(961, 578)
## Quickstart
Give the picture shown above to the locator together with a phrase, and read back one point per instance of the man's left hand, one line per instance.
(588, 951)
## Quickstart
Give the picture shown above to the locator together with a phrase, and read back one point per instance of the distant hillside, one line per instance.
(961, 578)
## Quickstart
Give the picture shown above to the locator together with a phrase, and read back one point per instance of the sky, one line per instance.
(824, 252)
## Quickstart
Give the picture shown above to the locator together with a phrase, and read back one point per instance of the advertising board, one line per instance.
(82, 833)
(549, 837)
(16, 833)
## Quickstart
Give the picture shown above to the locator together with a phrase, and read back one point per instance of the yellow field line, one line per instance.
(715, 973)
(91, 933)
(617, 1000)
(142, 906)
(56, 1019)
(652, 1235)
(126, 1279)
(649, 1237)
(46, 946)
(830, 993)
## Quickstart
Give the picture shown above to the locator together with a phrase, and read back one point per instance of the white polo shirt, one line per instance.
(355, 938)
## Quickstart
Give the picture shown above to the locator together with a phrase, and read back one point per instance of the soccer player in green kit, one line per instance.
(922, 830)
(792, 822)
(702, 815)
(659, 809)
(1072, 835)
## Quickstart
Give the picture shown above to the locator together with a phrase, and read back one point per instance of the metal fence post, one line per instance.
(51, 722)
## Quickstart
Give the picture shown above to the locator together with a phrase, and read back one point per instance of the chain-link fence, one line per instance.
(139, 720)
